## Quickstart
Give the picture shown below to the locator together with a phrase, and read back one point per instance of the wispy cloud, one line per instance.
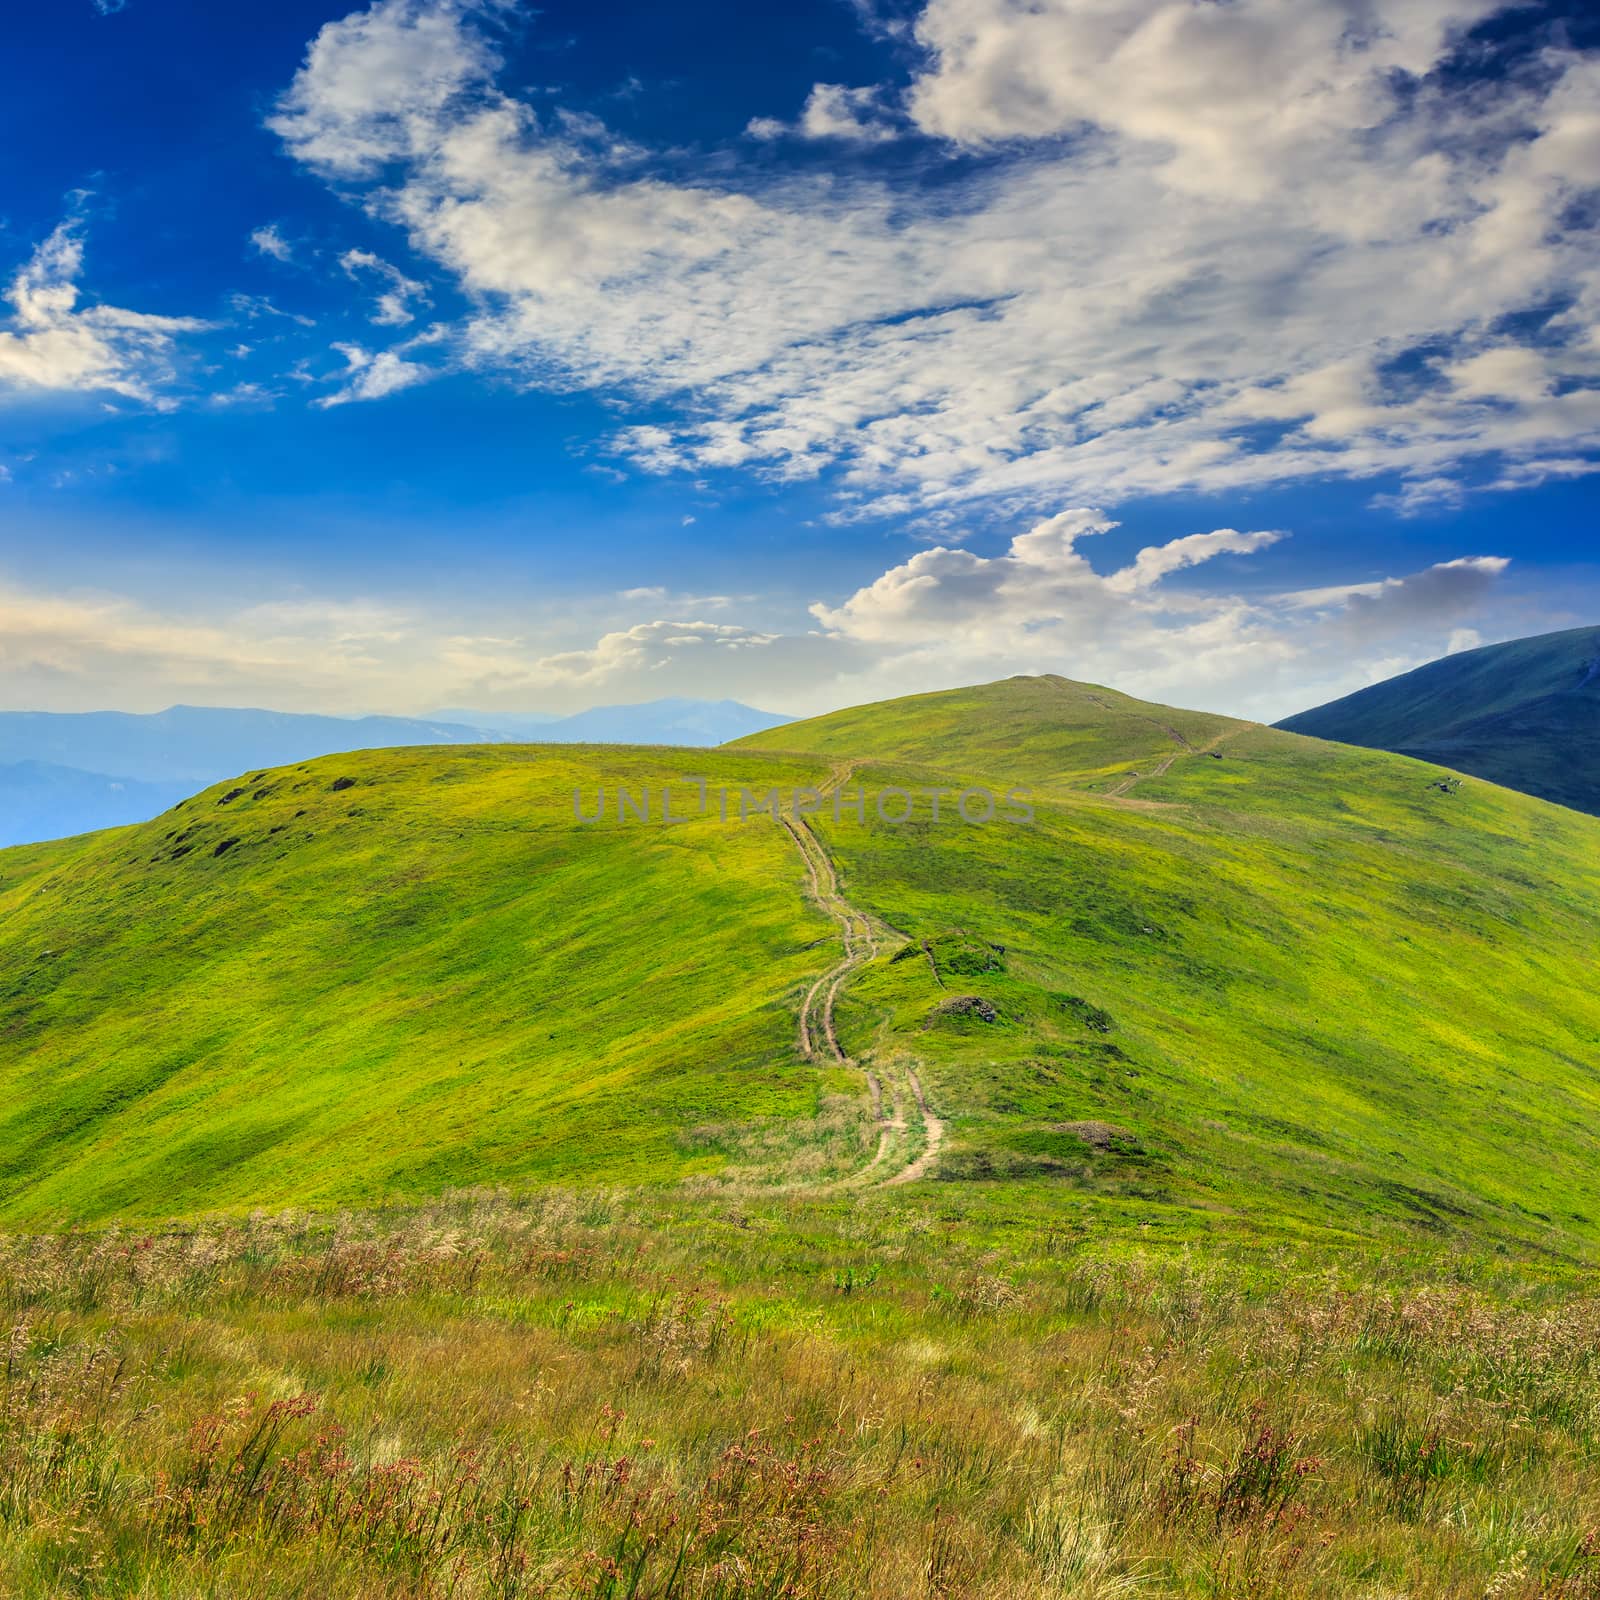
(371, 375)
(397, 292)
(269, 241)
(1183, 247)
(52, 342)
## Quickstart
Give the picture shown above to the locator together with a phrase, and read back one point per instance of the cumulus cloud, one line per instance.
(374, 83)
(948, 616)
(54, 343)
(1043, 600)
(1229, 98)
(1183, 246)
(834, 111)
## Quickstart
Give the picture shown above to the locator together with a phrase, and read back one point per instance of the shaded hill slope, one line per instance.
(1524, 714)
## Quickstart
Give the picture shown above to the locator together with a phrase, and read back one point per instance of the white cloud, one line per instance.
(1150, 566)
(1208, 246)
(374, 83)
(647, 646)
(1042, 596)
(54, 343)
(1229, 98)
(269, 241)
(370, 375)
(948, 616)
(393, 308)
(834, 111)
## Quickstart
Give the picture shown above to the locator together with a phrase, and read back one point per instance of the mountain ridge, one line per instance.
(1524, 714)
(203, 744)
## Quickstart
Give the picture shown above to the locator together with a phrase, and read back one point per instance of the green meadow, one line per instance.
(1189, 1186)
(407, 969)
(1220, 968)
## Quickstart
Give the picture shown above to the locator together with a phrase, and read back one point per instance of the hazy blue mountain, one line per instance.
(40, 801)
(202, 744)
(672, 721)
(520, 726)
(1524, 714)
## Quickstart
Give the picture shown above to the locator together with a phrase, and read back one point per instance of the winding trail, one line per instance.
(934, 1130)
(862, 936)
(1162, 767)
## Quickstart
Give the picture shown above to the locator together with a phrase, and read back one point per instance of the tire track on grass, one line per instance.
(819, 1038)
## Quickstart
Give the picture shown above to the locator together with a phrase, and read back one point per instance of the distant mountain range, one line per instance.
(671, 721)
(41, 801)
(202, 744)
(1524, 714)
(74, 772)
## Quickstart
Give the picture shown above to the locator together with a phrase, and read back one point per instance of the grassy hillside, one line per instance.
(1223, 971)
(1045, 730)
(390, 972)
(1522, 714)
(1276, 966)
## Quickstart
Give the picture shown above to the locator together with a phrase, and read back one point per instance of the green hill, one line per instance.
(1523, 714)
(391, 972)
(1025, 730)
(1223, 970)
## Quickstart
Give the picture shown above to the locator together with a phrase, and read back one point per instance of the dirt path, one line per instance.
(1162, 767)
(935, 1138)
(819, 1039)
(817, 1032)
(1158, 770)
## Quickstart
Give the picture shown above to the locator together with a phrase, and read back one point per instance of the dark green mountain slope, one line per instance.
(1524, 714)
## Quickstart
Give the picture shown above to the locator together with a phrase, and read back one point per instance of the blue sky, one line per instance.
(435, 353)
